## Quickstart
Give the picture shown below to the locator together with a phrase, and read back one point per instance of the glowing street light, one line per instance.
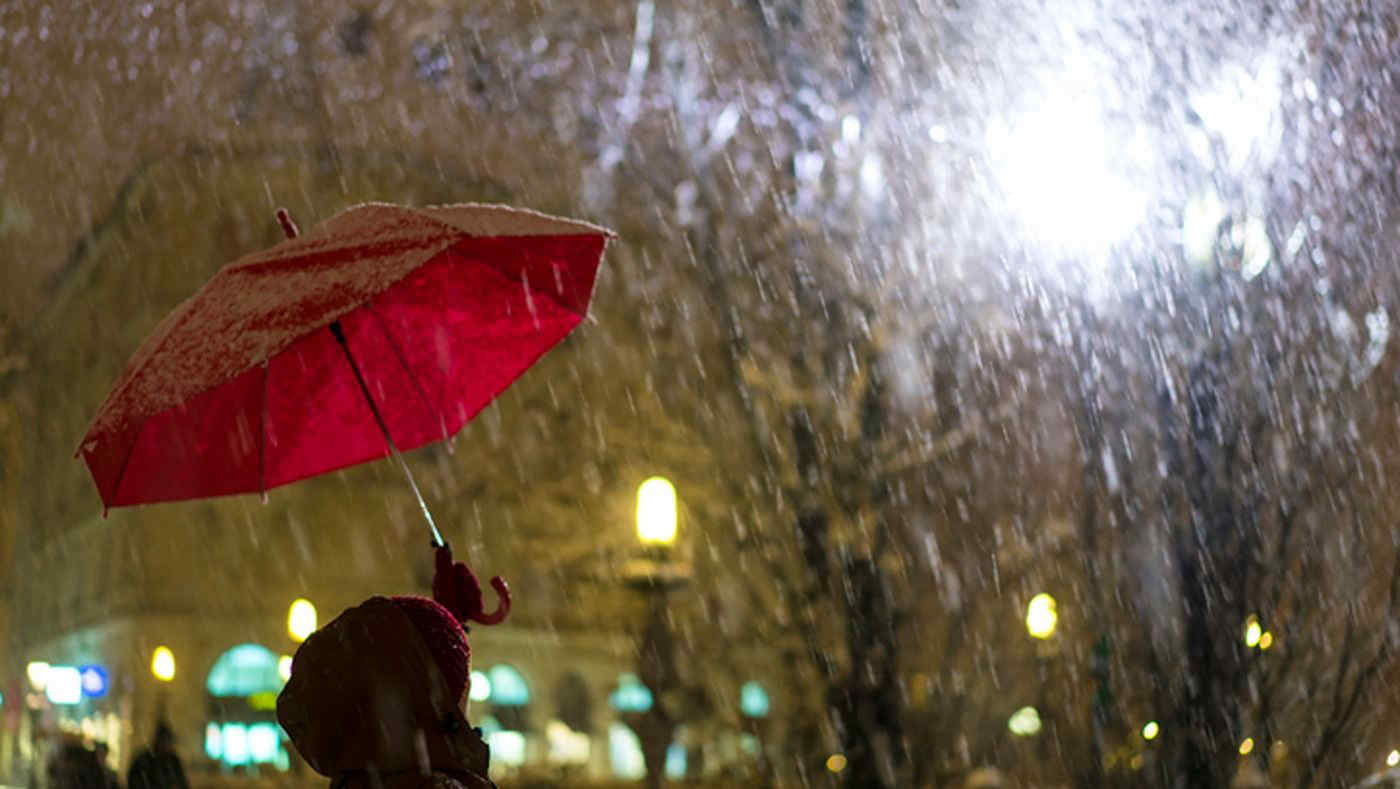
(1150, 730)
(656, 512)
(1392, 759)
(1247, 746)
(836, 762)
(163, 664)
(1041, 616)
(38, 673)
(1253, 631)
(1024, 722)
(301, 619)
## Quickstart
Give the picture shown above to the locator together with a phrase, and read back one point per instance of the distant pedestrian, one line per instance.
(158, 767)
(103, 753)
(73, 766)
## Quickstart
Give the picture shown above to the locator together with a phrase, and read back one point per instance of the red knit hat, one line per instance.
(362, 681)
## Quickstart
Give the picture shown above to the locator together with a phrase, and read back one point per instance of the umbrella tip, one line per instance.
(285, 220)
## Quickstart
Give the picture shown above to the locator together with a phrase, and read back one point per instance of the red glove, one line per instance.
(456, 588)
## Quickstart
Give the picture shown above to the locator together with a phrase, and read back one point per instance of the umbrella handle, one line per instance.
(339, 333)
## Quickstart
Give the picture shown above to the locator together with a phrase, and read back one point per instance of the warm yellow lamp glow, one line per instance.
(1041, 616)
(38, 673)
(1266, 640)
(1247, 746)
(284, 667)
(1024, 722)
(1253, 631)
(656, 512)
(836, 762)
(163, 664)
(1150, 730)
(301, 619)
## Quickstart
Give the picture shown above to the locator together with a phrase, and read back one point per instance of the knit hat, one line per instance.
(363, 683)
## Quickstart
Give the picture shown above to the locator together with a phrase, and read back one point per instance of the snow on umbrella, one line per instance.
(384, 328)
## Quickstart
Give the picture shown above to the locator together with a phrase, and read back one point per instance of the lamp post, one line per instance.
(654, 572)
(1042, 617)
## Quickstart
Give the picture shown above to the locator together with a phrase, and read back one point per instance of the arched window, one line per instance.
(244, 670)
(509, 698)
(625, 753)
(508, 688)
(243, 686)
(631, 695)
(753, 700)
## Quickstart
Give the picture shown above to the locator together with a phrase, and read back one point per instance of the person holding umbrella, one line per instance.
(383, 329)
(379, 696)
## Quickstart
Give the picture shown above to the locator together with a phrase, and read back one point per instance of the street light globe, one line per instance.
(301, 619)
(38, 673)
(656, 512)
(163, 664)
(1253, 632)
(1041, 616)
(1025, 722)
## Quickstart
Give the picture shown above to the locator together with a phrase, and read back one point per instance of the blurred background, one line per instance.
(978, 393)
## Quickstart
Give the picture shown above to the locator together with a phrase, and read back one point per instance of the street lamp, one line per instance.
(301, 619)
(1041, 616)
(163, 664)
(654, 572)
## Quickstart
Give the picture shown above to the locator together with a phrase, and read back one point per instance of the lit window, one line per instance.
(213, 741)
(507, 687)
(676, 761)
(631, 695)
(507, 748)
(244, 670)
(625, 753)
(262, 742)
(753, 700)
(235, 742)
(566, 746)
(481, 687)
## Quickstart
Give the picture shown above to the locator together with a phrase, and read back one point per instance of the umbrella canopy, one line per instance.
(248, 385)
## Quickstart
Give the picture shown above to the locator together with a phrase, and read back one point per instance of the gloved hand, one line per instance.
(456, 588)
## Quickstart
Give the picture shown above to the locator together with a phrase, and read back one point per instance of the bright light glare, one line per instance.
(1150, 730)
(1392, 759)
(1247, 746)
(301, 619)
(38, 673)
(1242, 110)
(656, 511)
(163, 664)
(284, 667)
(836, 762)
(1056, 166)
(1025, 722)
(1252, 631)
(1041, 616)
(480, 687)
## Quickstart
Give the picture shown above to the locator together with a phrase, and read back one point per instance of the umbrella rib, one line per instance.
(408, 371)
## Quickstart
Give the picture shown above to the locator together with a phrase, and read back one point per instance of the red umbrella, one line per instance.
(383, 328)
